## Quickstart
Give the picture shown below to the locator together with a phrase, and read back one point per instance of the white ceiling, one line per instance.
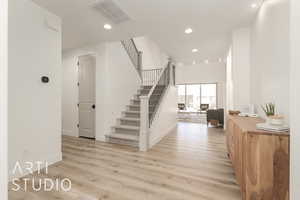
(164, 21)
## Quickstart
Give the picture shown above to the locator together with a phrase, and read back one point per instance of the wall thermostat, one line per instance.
(45, 79)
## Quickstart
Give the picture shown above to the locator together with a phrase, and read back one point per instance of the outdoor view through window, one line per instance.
(192, 97)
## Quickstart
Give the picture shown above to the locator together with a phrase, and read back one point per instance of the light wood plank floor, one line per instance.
(189, 163)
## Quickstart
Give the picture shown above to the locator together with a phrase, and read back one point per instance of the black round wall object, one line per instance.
(45, 79)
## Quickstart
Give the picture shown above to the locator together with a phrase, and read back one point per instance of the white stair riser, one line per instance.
(137, 108)
(137, 102)
(129, 123)
(125, 131)
(132, 115)
(145, 92)
(150, 87)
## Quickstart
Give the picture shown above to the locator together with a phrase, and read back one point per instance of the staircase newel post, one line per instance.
(144, 124)
(140, 62)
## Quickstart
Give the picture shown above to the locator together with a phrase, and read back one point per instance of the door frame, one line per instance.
(77, 61)
(3, 99)
(294, 100)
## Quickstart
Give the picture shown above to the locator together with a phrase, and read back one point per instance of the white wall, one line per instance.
(122, 82)
(3, 99)
(153, 56)
(270, 56)
(295, 98)
(34, 118)
(166, 117)
(116, 82)
(204, 73)
(240, 68)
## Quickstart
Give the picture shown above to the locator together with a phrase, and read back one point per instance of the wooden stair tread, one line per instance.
(123, 136)
(136, 128)
(130, 119)
(138, 99)
(130, 111)
(134, 112)
(151, 105)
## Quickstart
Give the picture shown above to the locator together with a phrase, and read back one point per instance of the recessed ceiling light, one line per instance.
(206, 61)
(254, 5)
(188, 31)
(194, 62)
(107, 26)
(194, 50)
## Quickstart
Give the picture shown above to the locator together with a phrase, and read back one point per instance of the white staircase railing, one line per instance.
(146, 117)
(134, 54)
(150, 76)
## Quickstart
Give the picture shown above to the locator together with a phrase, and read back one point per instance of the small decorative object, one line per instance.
(274, 122)
(269, 109)
(273, 119)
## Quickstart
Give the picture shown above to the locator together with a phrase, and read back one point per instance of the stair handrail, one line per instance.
(134, 54)
(146, 118)
(150, 76)
(158, 80)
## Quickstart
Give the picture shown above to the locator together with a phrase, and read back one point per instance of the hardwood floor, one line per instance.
(189, 163)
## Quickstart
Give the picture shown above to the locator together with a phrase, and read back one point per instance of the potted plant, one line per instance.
(272, 118)
(269, 109)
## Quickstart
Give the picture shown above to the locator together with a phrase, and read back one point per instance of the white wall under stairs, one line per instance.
(165, 118)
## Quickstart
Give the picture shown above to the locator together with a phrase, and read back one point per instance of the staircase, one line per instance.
(134, 126)
(127, 129)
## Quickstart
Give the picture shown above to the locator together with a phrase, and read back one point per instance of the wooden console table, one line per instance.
(260, 159)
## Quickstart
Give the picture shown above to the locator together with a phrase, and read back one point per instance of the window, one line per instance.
(193, 95)
(181, 94)
(209, 95)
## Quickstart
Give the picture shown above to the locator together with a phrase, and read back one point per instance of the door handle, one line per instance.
(93, 106)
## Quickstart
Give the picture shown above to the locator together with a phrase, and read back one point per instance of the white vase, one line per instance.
(269, 120)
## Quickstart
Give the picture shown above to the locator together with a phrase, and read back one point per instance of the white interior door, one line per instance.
(86, 104)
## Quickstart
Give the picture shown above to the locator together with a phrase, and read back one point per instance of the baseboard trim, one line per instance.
(101, 138)
(69, 133)
(157, 140)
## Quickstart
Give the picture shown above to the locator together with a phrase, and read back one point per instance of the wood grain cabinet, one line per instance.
(260, 159)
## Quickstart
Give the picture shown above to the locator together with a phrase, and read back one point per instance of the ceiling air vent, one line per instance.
(111, 10)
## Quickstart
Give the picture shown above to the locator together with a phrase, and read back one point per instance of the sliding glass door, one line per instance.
(192, 96)
(181, 94)
(209, 95)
